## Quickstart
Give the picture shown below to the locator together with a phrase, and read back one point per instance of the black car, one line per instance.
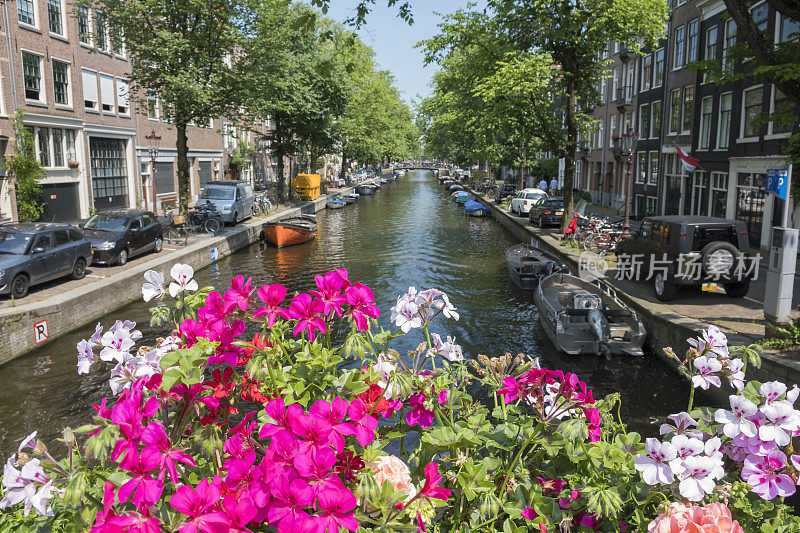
(547, 211)
(679, 250)
(35, 252)
(120, 234)
(505, 191)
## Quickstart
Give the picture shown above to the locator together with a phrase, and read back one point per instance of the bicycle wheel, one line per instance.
(268, 206)
(177, 235)
(212, 225)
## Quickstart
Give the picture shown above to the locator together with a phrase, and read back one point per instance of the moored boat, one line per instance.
(584, 317)
(464, 198)
(289, 231)
(364, 189)
(456, 187)
(527, 265)
(336, 203)
(475, 209)
(350, 198)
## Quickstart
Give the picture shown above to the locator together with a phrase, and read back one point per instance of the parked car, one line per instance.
(692, 250)
(547, 211)
(233, 199)
(35, 252)
(119, 234)
(508, 189)
(521, 203)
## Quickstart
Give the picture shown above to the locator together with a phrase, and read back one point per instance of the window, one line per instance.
(26, 12)
(706, 108)
(730, 40)
(32, 70)
(58, 147)
(688, 107)
(123, 97)
(44, 146)
(89, 89)
(107, 93)
(600, 132)
(659, 68)
(751, 109)
(61, 82)
(655, 121)
(116, 43)
(84, 29)
(69, 141)
(711, 43)
(60, 237)
(644, 120)
(724, 122)
(759, 14)
(614, 82)
(152, 105)
(675, 112)
(788, 29)
(779, 104)
(652, 202)
(101, 35)
(653, 177)
(54, 19)
(694, 40)
(679, 57)
(612, 127)
(641, 174)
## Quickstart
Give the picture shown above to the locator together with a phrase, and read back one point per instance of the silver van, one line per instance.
(232, 199)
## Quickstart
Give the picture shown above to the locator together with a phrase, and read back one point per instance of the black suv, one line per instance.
(36, 252)
(508, 189)
(690, 250)
(119, 234)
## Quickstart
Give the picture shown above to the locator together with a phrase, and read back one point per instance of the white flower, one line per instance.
(706, 367)
(449, 349)
(28, 442)
(153, 286)
(683, 423)
(405, 314)
(735, 373)
(738, 419)
(782, 422)
(386, 370)
(696, 480)
(448, 310)
(712, 340)
(182, 274)
(20, 487)
(684, 447)
(117, 344)
(85, 356)
(655, 466)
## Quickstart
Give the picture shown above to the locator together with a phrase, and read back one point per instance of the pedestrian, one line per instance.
(553, 186)
(543, 184)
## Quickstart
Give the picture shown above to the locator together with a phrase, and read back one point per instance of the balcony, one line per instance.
(625, 55)
(585, 150)
(625, 98)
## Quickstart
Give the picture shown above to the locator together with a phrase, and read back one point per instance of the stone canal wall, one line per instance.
(72, 309)
(664, 326)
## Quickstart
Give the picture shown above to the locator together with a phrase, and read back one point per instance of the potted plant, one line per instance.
(73, 164)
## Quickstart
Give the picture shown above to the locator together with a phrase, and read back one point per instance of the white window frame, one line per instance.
(42, 86)
(672, 109)
(644, 110)
(779, 18)
(770, 135)
(96, 108)
(70, 104)
(675, 65)
(612, 129)
(692, 51)
(35, 13)
(105, 46)
(742, 125)
(725, 47)
(614, 83)
(127, 83)
(90, 35)
(638, 176)
(105, 75)
(703, 125)
(653, 133)
(652, 177)
(683, 108)
(720, 131)
(151, 95)
(656, 70)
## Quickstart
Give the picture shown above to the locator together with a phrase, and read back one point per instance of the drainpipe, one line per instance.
(660, 187)
(11, 58)
(605, 141)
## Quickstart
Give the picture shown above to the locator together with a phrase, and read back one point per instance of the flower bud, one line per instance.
(69, 437)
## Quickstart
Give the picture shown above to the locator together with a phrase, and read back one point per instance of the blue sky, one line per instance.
(393, 39)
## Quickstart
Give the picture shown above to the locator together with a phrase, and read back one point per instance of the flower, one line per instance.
(335, 504)
(762, 473)
(696, 477)
(737, 420)
(86, 356)
(362, 305)
(273, 296)
(655, 468)
(529, 513)
(153, 286)
(405, 314)
(198, 504)
(348, 465)
(713, 343)
(683, 421)
(782, 421)
(449, 350)
(736, 373)
(117, 344)
(706, 367)
(238, 296)
(431, 488)
(390, 468)
(681, 517)
(307, 312)
(329, 293)
(20, 486)
(182, 274)
(419, 415)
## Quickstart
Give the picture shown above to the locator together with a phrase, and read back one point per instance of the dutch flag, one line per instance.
(689, 163)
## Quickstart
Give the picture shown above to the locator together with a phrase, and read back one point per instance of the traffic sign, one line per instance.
(41, 332)
(777, 181)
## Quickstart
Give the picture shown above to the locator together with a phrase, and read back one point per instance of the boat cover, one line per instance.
(459, 193)
(472, 206)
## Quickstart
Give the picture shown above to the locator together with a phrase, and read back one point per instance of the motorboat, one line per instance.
(456, 187)
(447, 183)
(289, 231)
(375, 183)
(350, 198)
(383, 180)
(584, 317)
(527, 264)
(364, 189)
(475, 209)
(335, 203)
(464, 198)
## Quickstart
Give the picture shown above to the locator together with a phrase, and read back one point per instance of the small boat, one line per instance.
(383, 180)
(350, 198)
(462, 199)
(456, 187)
(375, 183)
(527, 264)
(475, 209)
(336, 203)
(364, 189)
(447, 183)
(289, 231)
(584, 317)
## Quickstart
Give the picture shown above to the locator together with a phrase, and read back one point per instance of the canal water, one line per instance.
(408, 234)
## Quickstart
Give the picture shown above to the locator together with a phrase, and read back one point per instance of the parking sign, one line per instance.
(41, 332)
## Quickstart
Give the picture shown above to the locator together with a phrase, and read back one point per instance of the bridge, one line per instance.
(417, 167)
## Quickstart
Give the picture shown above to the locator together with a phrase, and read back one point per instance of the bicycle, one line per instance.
(262, 205)
(204, 217)
(175, 232)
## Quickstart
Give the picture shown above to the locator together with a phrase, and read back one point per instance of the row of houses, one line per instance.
(66, 69)
(670, 105)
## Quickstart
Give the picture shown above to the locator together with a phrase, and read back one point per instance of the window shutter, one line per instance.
(89, 85)
(122, 93)
(107, 90)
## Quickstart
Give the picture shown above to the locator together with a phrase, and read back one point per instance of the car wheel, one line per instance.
(737, 290)
(20, 286)
(235, 219)
(665, 290)
(720, 258)
(159, 244)
(541, 221)
(122, 258)
(79, 270)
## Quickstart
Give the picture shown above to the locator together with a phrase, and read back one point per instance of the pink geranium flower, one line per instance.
(362, 305)
(419, 414)
(363, 423)
(330, 286)
(307, 312)
(239, 294)
(158, 446)
(273, 296)
(332, 415)
(681, 517)
(336, 504)
(762, 472)
(432, 489)
(214, 310)
(142, 489)
(198, 504)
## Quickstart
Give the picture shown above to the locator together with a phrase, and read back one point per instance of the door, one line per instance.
(60, 202)
(238, 203)
(138, 236)
(248, 199)
(43, 261)
(63, 251)
(152, 230)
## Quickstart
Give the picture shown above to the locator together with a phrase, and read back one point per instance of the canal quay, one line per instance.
(409, 233)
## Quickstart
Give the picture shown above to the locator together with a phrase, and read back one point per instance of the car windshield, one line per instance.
(13, 242)
(108, 222)
(533, 196)
(218, 193)
(554, 203)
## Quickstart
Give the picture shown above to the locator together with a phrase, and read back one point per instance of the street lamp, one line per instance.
(152, 141)
(522, 169)
(628, 144)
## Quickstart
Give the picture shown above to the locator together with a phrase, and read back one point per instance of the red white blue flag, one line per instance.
(689, 163)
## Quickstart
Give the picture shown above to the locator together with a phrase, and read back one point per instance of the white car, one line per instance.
(521, 202)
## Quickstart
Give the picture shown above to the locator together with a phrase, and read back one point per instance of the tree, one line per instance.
(186, 51)
(25, 172)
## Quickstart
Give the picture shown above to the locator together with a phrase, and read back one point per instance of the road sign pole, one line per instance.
(786, 202)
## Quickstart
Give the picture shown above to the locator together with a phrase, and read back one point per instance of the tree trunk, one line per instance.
(569, 154)
(343, 170)
(281, 176)
(183, 168)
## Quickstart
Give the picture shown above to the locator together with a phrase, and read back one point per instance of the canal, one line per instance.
(408, 233)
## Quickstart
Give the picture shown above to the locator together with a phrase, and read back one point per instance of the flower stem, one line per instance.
(516, 459)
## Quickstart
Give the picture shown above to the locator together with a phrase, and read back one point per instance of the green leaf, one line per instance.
(573, 429)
